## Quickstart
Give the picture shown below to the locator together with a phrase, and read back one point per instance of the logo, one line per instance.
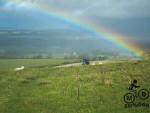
(136, 97)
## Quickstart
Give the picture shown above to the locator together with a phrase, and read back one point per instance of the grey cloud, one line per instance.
(104, 8)
(120, 8)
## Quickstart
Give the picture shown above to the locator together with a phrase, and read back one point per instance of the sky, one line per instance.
(126, 17)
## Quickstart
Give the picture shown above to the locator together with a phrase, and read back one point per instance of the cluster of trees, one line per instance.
(50, 56)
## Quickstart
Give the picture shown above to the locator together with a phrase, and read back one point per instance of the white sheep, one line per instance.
(100, 62)
(20, 68)
(93, 63)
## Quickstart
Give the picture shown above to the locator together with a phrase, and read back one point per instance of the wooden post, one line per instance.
(78, 94)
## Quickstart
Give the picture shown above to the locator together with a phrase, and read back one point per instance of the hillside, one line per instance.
(29, 43)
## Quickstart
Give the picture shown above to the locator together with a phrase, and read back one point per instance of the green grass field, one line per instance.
(9, 64)
(83, 89)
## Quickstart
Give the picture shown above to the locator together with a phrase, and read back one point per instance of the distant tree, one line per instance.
(38, 57)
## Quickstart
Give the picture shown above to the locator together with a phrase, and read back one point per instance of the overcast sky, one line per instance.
(109, 8)
(128, 17)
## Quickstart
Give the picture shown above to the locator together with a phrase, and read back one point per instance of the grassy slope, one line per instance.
(51, 90)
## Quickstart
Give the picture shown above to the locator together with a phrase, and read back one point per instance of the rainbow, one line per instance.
(88, 25)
